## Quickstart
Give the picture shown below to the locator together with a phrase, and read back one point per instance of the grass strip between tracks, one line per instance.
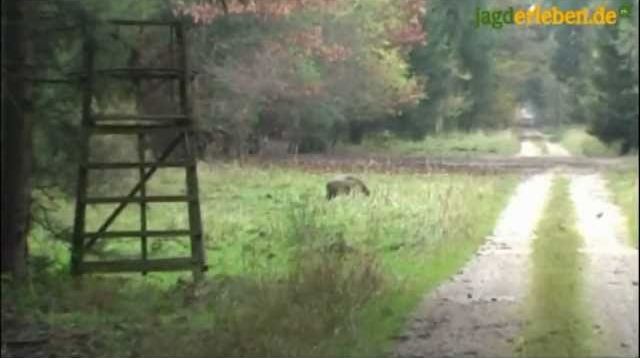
(558, 322)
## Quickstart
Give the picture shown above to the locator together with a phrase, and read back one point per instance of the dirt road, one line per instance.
(477, 313)
(529, 148)
(612, 268)
(480, 311)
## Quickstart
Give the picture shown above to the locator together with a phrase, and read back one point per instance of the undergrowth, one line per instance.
(580, 143)
(456, 144)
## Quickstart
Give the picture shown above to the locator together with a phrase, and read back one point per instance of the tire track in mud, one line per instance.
(477, 313)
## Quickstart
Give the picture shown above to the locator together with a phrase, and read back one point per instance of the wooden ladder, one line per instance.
(96, 124)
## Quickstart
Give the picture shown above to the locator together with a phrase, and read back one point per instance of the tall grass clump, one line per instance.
(299, 313)
(579, 142)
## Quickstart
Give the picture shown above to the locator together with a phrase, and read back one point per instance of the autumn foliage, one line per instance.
(207, 11)
(307, 67)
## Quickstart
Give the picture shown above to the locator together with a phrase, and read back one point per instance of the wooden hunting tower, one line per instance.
(139, 127)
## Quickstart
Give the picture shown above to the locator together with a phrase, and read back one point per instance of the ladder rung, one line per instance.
(135, 129)
(137, 73)
(144, 22)
(139, 117)
(120, 165)
(146, 199)
(150, 233)
(141, 73)
(176, 264)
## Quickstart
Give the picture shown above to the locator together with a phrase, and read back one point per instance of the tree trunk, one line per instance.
(16, 138)
(356, 132)
(439, 124)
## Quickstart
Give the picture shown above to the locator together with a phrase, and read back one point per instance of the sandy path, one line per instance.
(612, 269)
(529, 149)
(532, 142)
(477, 313)
(556, 150)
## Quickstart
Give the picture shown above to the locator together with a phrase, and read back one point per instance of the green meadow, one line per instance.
(289, 272)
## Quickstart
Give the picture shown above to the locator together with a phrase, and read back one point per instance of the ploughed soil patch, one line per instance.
(420, 164)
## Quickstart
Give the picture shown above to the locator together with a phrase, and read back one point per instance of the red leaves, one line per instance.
(409, 35)
(411, 31)
(408, 31)
(312, 43)
(206, 11)
(337, 56)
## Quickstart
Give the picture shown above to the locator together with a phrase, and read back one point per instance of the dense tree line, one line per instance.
(598, 66)
(614, 84)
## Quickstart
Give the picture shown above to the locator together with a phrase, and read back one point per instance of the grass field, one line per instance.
(624, 187)
(290, 273)
(559, 326)
(580, 143)
(456, 144)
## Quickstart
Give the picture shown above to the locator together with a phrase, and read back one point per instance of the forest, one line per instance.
(127, 124)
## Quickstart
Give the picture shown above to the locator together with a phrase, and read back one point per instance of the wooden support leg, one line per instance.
(143, 194)
(77, 250)
(77, 253)
(195, 220)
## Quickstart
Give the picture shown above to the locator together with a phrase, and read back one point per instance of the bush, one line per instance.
(449, 143)
(326, 284)
(579, 142)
